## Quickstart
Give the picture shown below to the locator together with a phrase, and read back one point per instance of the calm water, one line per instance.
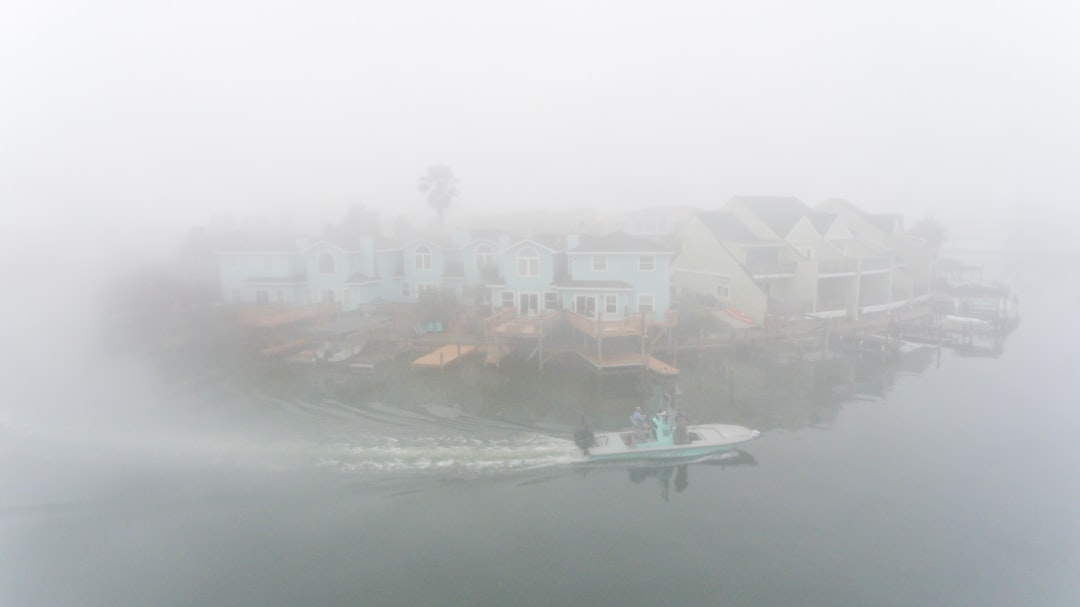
(946, 480)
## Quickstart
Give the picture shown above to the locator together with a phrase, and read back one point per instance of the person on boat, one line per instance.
(584, 437)
(641, 425)
(678, 419)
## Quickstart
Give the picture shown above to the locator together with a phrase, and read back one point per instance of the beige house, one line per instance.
(721, 260)
(913, 277)
(775, 256)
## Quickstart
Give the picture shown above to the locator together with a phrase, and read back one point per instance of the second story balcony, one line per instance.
(761, 270)
(837, 267)
(875, 264)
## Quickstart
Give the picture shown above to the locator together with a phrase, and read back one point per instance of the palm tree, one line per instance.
(931, 230)
(440, 185)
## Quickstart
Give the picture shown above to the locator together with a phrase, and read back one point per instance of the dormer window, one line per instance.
(423, 258)
(528, 262)
(485, 257)
(599, 262)
(326, 263)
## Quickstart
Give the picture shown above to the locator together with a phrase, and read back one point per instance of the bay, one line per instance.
(938, 480)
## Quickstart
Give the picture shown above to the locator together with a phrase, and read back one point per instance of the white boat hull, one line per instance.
(705, 439)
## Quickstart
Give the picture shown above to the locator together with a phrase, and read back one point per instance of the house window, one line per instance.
(646, 263)
(423, 258)
(348, 297)
(611, 304)
(405, 292)
(326, 263)
(425, 288)
(262, 297)
(551, 301)
(329, 296)
(236, 298)
(723, 288)
(645, 303)
(508, 299)
(585, 305)
(279, 296)
(484, 258)
(528, 262)
(599, 262)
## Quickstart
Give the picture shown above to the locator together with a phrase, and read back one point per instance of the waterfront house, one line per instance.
(722, 263)
(616, 275)
(913, 276)
(526, 273)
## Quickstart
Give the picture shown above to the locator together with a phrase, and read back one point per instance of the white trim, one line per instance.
(702, 272)
(882, 307)
(584, 252)
(591, 289)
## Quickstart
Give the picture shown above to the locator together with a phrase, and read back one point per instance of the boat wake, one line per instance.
(437, 438)
(270, 433)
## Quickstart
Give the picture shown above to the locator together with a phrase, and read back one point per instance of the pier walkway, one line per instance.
(443, 356)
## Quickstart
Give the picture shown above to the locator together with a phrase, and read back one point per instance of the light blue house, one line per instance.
(603, 277)
(613, 276)
(528, 269)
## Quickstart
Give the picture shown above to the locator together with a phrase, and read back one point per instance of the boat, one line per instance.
(661, 441)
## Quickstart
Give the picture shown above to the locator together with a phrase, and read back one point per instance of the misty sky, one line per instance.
(123, 114)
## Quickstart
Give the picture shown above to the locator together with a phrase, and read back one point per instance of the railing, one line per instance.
(506, 322)
(831, 303)
(876, 263)
(781, 307)
(593, 327)
(763, 269)
(838, 266)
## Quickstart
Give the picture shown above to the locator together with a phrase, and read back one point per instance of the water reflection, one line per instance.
(663, 472)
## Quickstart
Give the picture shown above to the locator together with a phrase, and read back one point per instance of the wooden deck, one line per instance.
(619, 361)
(443, 356)
(630, 326)
(276, 315)
(660, 367)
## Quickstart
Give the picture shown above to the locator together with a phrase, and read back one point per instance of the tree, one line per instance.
(440, 185)
(931, 230)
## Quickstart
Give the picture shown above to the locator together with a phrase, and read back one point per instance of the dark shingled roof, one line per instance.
(554, 242)
(822, 221)
(618, 242)
(780, 213)
(726, 227)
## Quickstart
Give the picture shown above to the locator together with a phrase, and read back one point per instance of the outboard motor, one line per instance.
(584, 437)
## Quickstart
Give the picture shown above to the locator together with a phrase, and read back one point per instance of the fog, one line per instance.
(122, 118)
(124, 125)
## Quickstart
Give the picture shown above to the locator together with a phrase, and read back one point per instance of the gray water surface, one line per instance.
(950, 480)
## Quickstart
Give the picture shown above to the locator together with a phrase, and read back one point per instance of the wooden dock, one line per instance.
(442, 356)
(660, 367)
